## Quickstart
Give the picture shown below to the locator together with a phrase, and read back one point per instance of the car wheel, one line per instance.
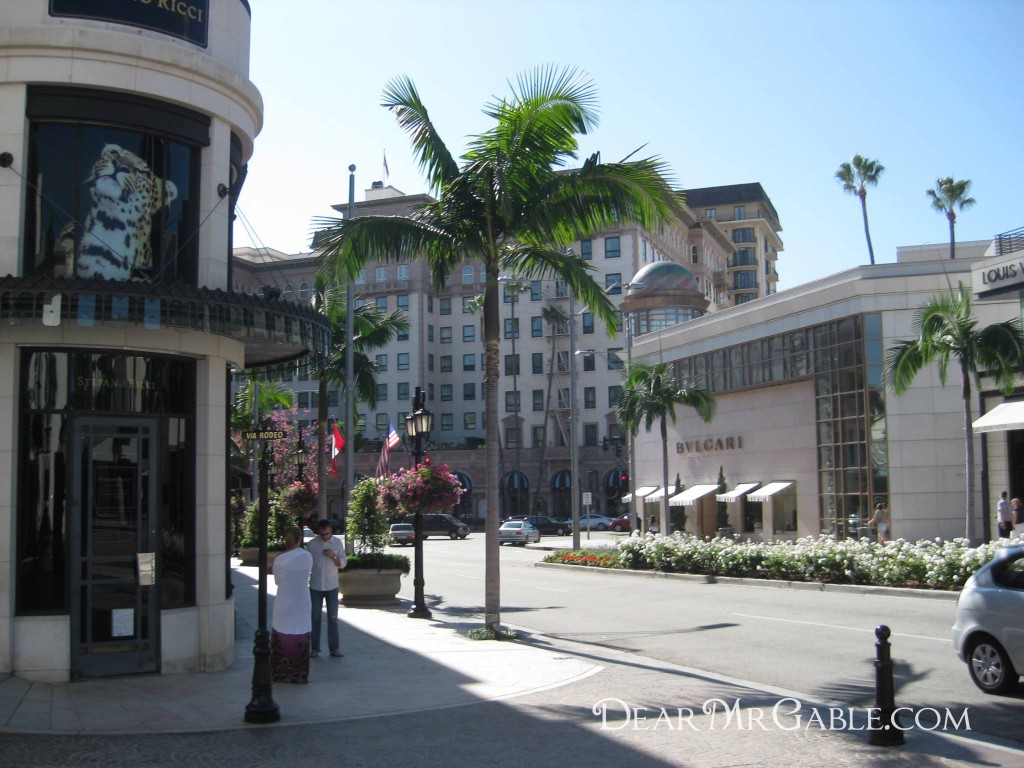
(560, 532)
(616, 527)
(453, 535)
(990, 667)
(463, 535)
(602, 527)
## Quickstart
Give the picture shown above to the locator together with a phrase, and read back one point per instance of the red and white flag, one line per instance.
(337, 444)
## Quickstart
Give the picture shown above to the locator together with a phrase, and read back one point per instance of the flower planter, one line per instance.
(251, 556)
(368, 586)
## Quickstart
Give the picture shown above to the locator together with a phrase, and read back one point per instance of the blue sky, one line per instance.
(726, 91)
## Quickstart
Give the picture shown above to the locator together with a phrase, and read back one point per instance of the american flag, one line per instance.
(384, 463)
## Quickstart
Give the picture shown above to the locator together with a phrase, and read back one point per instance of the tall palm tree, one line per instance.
(373, 330)
(554, 317)
(652, 392)
(515, 205)
(945, 328)
(855, 176)
(949, 196)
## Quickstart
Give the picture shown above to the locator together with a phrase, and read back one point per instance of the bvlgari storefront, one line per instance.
(127, 128)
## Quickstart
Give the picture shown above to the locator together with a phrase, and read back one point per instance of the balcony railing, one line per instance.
(1009, 242)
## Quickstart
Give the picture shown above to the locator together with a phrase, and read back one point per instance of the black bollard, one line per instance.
(883, 725)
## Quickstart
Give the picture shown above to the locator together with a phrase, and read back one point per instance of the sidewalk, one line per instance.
(400, 696)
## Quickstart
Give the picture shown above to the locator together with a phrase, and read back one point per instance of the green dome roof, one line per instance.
(663, 276)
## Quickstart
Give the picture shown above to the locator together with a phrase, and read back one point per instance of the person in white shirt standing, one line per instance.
(328, 552)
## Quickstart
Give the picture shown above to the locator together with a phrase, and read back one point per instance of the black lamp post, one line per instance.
(262, 708)
(299, 458)
(418, 425)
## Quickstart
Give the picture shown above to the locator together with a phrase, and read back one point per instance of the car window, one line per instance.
(1010, 574)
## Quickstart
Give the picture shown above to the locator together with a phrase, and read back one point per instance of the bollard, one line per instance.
(883, 725)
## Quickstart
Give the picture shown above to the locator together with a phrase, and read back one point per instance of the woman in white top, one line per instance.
(289, 638)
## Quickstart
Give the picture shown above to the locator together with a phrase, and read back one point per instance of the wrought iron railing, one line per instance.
(1011, 241)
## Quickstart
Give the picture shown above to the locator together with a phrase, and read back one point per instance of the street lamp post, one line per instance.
(574, 449)
(299, 458)
(418, 425)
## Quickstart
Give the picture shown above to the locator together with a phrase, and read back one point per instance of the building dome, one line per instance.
(662, 276)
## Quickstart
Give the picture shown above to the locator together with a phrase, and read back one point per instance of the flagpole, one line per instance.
(350, 332)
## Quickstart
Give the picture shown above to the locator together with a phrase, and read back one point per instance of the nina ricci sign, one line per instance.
(184, 19)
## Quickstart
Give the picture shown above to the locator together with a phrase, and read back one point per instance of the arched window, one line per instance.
(303, 291)
(694, 258)
(287, 292)
(468, 275)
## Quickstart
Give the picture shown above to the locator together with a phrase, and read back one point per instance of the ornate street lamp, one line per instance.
(299, 458)
(417, 426)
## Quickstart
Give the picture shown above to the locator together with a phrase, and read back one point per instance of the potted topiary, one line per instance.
(371, 576)
(277, 523)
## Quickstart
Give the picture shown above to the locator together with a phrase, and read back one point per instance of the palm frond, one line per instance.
(435, 161)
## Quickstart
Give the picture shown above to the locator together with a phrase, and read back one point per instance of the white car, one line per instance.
(517, 532)
(989, 630)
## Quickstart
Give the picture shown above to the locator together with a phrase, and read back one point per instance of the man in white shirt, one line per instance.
(328, 554)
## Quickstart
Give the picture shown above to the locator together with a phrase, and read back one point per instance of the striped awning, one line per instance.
(736, 492)
(641, 492)
(561, 481)
(763, 494)
(690, 495)
(515, 481)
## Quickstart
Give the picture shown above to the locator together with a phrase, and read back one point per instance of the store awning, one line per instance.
(1002, 418)
(641, 492)
(736, 492)
(658, 494)
(690, 495)
(769, 490)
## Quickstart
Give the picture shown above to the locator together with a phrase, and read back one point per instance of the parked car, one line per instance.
(443, 525)
(546, 525)
(595, 523)
(402, 534)
(620, 524)
(517, 532)
(989, 631)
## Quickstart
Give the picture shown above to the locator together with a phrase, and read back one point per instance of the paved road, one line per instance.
(818, 643)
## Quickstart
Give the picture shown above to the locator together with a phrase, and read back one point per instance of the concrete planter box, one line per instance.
(368, 586)
(251, 556)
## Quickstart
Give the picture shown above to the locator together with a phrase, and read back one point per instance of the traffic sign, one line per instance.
(263, 434)
(587, 498)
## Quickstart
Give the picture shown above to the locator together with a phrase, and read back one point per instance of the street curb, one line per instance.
(810, 586)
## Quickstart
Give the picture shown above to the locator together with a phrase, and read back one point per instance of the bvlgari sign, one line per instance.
(185, 19)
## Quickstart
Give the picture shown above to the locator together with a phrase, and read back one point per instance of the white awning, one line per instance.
(643, 490)
(736, 492)
(769, 490)
(1002, 418)
(658, 494)
(690, 495)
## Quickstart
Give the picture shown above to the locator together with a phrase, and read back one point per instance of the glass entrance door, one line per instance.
(114, 598)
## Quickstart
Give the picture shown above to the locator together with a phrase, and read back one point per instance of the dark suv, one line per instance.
(443, 525)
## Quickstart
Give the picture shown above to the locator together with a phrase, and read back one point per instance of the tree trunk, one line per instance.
(492, 548)
(665, 517)
(952, 234)
(969, 451)
(547, 421)
(867, 232)
(321, 447)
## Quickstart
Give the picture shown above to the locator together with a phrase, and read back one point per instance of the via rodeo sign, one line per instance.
(992, 277)
(185, 19)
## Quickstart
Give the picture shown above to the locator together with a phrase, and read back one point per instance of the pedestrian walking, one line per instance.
(328, 553)
(1004, 515)
(880, 519)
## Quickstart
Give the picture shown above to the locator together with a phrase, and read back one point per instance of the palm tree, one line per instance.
(855, 176)
(373, 330)
(515, 205)
(945, 328)
(652, 392)
(554, 317)
(949, 195)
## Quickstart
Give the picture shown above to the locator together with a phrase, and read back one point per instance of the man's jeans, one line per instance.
(331, 596)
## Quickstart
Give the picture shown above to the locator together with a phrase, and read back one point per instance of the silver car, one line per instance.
(402, 534)
(517, 532)
(989, 631)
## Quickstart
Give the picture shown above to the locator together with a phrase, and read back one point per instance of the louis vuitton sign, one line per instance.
(184, 19)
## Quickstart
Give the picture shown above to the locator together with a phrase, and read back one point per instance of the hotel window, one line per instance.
(430, 304)
(382, 362)
(469, 421)
(511, 328)
(562, 361)
(303, 291)
(466, 304)
(430, 333)
(430, 363)
(469, 362)
(446, 393)
(512, 402)
(403, 301)
(590, 435)
(538, 399)
(588, 360)
(739, 212)
(643, 250)
(469, 333)
(360, 302)
(446, 334)
(303, 400)
(430, 392)
(710, 213)
(586, 250)
(446, 363)
(535, 290)
(563, 399)
(403, 361)
(511, 365)
(382, 393)
(744, 258)
(469, 391)
(590, 397)
(694, 255)
(511, 437)
(744, 235)
(613, 283)
(402, 334)
(382, 274)
(611, 248)
(537, 362)
(561, 291)
(537, 327)
(614, 393)
(468, 275)
(286, 294)
(403, 272)
(361, 277)
(588, 322)
(382, 422)
(746, 279)
(447, 422)
(446, 305)
(402, 394)
(537, 436)
(381, 303)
